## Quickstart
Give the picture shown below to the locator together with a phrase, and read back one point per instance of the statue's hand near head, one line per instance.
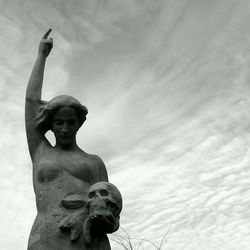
(46, 44)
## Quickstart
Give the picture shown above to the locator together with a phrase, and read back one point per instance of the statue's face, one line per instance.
(65, 125)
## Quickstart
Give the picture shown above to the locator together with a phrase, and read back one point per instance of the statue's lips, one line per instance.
(65, 137)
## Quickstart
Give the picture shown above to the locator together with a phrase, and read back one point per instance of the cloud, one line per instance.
(166, 85)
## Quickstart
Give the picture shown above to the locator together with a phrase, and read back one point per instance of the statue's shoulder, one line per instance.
(98, 168)
(96, 159)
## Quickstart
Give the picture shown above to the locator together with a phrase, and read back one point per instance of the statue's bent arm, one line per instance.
(33, 96)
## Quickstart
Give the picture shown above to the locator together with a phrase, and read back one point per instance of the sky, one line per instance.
(167, 86)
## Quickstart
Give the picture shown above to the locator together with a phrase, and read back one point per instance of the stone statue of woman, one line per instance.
(69, 184)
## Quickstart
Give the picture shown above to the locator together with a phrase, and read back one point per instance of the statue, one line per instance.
(76, 205)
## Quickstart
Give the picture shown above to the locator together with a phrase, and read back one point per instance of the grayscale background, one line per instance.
(167, 85)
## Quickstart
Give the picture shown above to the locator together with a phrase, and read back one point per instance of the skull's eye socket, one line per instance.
(104, 192)
(91, 194)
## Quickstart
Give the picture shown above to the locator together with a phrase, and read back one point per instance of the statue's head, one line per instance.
(61, 110)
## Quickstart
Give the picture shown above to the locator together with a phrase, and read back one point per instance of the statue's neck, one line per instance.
(67, 147)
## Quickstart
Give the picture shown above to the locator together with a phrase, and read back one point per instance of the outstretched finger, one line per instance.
(46, 34)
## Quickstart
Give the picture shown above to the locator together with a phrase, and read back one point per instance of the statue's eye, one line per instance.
(72, 122)
(104, 192)
(58, 122)
(91, 194)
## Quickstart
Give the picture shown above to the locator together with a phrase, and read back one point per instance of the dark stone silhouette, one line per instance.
(76, 205)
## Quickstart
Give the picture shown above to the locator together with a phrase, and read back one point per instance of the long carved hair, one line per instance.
(47, 111)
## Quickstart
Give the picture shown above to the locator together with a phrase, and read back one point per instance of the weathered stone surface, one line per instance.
(76, 205)
(73, 201)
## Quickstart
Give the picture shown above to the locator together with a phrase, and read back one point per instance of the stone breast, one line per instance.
(48, 171)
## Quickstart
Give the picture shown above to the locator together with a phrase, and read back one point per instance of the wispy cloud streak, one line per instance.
(166, 85)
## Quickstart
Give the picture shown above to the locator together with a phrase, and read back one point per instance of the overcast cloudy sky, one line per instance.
(167, 85)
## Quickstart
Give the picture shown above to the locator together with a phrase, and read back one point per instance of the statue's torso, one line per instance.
(59, 176)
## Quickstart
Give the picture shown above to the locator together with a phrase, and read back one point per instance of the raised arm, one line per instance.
(34, 88)
(33, 94)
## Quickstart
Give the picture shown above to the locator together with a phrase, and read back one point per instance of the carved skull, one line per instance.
(104, 206)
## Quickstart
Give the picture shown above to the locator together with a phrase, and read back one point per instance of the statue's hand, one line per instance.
(46, 44)
(103, 223)
(72, 223)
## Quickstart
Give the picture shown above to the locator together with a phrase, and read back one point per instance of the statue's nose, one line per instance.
(65, 129)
